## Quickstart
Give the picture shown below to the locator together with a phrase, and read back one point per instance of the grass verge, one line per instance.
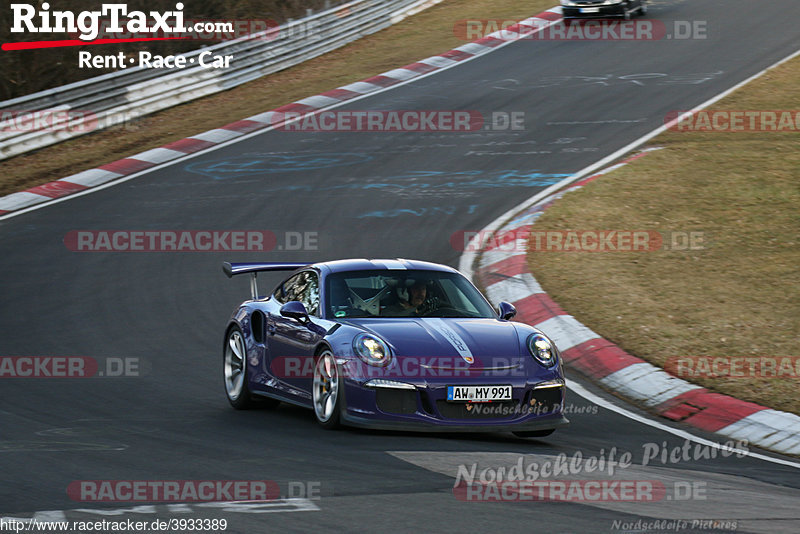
(737, 297)
(428, 33)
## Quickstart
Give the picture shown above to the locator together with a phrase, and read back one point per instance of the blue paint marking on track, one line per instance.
(452, 181)
(253, 165)
(420, 212)
(273, 163)
(499, 178)
(504, 178)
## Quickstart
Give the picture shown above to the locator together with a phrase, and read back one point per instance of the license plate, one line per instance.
(590, 10)
(478, 393)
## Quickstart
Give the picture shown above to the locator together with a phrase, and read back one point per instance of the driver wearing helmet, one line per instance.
(409, 301)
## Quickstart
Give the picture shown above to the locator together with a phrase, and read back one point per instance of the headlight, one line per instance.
(542, 350)
(371, 350)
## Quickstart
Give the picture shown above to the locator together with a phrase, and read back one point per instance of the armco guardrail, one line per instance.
(111, 99)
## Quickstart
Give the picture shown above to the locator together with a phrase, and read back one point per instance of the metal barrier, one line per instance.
(111, 99)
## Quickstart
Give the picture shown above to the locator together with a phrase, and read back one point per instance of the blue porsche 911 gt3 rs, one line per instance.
(391, 344)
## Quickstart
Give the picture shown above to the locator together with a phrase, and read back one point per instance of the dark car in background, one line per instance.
(627, 9)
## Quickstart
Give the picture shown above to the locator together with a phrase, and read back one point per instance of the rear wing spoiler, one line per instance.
(233, 269)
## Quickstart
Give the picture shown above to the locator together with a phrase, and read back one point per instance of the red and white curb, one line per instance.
(271, 119)
(503, 271)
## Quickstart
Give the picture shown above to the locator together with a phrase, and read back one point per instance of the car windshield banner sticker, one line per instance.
(451, 336)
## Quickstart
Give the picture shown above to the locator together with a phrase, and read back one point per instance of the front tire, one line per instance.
(327, 390)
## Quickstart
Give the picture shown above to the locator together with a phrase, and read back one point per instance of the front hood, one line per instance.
(479, 343)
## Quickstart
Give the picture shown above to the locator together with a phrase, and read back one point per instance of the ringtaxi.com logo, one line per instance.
(118, 20)
(189, 241)
(87, 24)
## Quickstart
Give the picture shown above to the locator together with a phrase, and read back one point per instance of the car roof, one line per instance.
(378, 265)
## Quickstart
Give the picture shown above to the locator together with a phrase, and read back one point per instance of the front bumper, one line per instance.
(423, 406)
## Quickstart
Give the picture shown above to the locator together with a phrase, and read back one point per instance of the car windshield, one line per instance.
(409, 293)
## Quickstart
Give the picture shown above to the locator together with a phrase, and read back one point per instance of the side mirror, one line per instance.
(506, 310)
(295, 310)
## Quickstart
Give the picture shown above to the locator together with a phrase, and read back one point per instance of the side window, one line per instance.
(279, 293)
(303, 287)
(311, 293)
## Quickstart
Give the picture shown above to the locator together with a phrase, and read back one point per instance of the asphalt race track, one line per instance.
(357, 194)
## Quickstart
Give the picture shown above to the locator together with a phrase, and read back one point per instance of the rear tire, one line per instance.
(534, 433)
(234, 370)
